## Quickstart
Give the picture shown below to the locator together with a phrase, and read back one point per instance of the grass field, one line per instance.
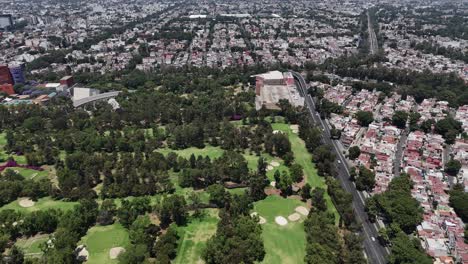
(193, 237)
(100, 239)
(32, 174)
(31, 245)
(42, 204)
(303, 157)
(2, 140)
(283, 244)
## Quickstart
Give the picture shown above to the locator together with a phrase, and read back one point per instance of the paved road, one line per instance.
(373, 44)
(375, 252)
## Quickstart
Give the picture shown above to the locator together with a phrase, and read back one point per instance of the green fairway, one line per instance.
(100, 239)
(31, 174)
(252, 161)
(2, 140)
(42, 204)
(283, 244)
(193, 237)
(304, 158)
(210, 151)
(31, 245)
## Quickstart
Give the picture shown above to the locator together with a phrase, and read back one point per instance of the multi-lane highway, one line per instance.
(373, 44)
(375, 252)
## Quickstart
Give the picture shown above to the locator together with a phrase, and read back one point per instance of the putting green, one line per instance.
(283, 244)
(31, 245)
(304, 158)
(41, 204)
(194, 235)
(100, 239)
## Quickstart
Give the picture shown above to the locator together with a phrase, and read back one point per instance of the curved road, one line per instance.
(375, 252)
(80, 102)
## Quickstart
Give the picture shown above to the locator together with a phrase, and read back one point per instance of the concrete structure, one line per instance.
(98, 97)
(83, 93)
(271, 87)
(6, 21)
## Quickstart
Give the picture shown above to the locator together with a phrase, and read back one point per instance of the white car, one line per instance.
(339, 161)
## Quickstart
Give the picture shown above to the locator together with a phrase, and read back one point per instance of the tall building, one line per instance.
(6, 21)
(17, 72)
(5, 75)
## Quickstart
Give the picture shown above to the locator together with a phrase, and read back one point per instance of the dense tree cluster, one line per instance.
(13, 186)
(238, 236)
(396, 205)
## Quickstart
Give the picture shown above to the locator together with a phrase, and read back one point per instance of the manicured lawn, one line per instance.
(42, 204)
(31, 245)
(210, 151)
(31, 174)
(193, 237)
(100, 239)
(283, 244)
(303, 157)
(2, 140)
(252, 161)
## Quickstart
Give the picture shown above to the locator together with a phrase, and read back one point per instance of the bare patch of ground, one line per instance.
(115, 252)
(26, 202)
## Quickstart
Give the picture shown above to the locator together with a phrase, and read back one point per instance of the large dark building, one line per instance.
(17, 73)
(5, 75)
(6, 21)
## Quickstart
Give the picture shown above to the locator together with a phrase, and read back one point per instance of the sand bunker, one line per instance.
(83, 253)
(115, 252)
(26, 202)
(261, 220)
(302, 210)
(281, 221)
(269, 168)
(294, 128)
(274, 163)
(273, 184)
(294, 217)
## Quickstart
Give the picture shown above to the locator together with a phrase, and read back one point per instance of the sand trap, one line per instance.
(83, 253)
(115, 252)
(269, 168)
(294, 128)
(281, 221)
(294, 217)
(274, 163)
(261, 220)
(26, 202)
(302, 210)
(273, 184)
(276, 131)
